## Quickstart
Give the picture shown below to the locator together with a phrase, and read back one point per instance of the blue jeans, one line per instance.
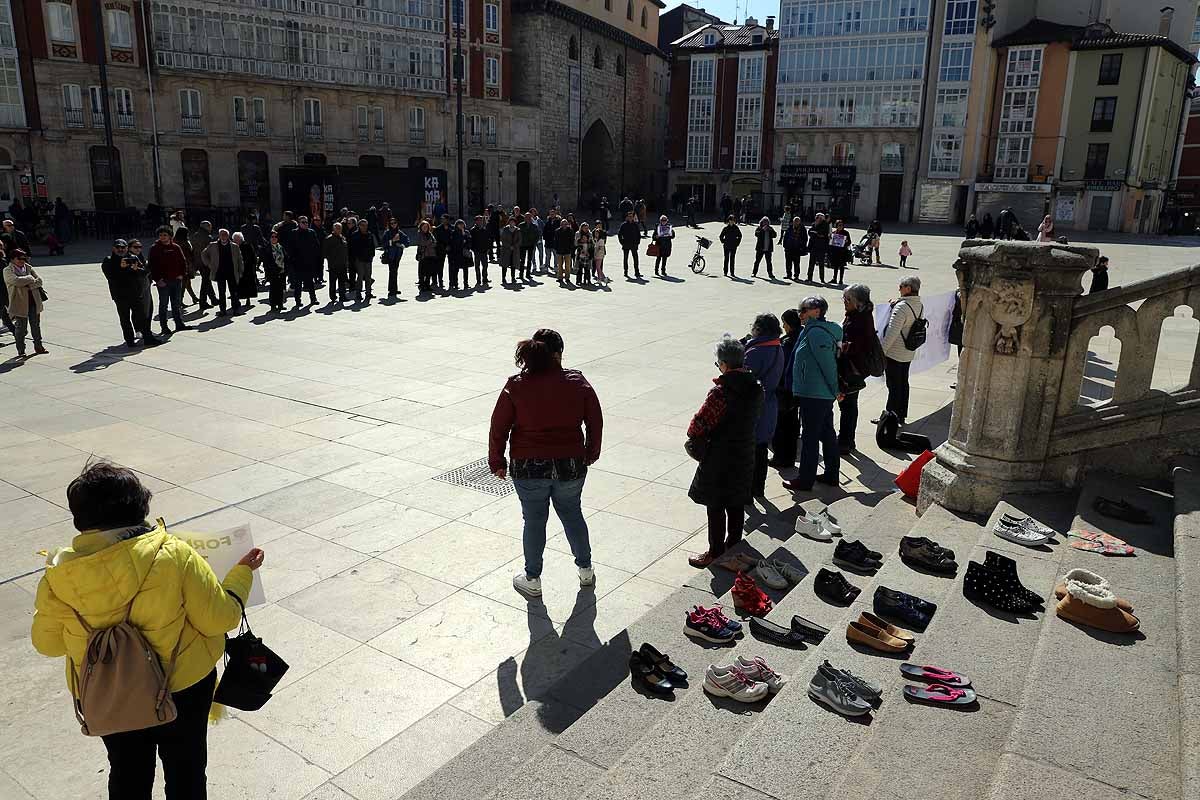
(535, 495)
(816, 429)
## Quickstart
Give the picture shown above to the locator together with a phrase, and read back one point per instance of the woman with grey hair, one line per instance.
(898, 357)
(721, 437)
(859, 341)
(815, 386)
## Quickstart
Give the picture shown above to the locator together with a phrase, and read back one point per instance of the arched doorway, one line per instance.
(107, 186)
(523, 184)
(196, 191)
(598, 159)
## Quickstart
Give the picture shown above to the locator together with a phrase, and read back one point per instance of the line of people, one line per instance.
(823, 244)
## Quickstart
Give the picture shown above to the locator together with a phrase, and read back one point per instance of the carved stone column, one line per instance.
(1017, 301)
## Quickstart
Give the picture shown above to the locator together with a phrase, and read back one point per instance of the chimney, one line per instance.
(771, 23)
(751, 21)
(1166, 14)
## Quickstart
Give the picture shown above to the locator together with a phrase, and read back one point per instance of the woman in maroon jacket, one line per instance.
(541, 410)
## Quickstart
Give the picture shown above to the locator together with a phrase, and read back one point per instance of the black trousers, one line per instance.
(481, 265)
(724, 527)
(463, 267)
(182, 745)
(816, 258)
(131, 311)
(278, 290)
(849, 420)
(660, 262)
(787, 428)
(337, 284)
(729, 254)
(895, 375)
(207, 296)
(760, 469)
(393, 278)
(528, 258)
(839, 273)
(226, 283)
(636, 270)
(759, 256)
(304, 283)
(791, 263)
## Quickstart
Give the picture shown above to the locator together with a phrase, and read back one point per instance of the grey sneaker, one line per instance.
(766, 572)
(866, 689)
(837, 693)
(791, 573)
(527, 585)
(1018, 534)
(1028, 523)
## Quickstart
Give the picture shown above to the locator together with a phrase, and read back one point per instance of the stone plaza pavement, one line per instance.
(389, 591)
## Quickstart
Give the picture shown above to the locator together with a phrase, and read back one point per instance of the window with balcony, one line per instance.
(843, 154)
(891, 157)
(960, 17)
(489, 131)
(364, 129)
(96, 106)
(750, 73)
(60, 19)
(745, 152)
(1104, 111)
(120, 28)
(491, 17)
(259, 107)
(72, 99)
(312, 118)
(1012, 158)
(491, 71)
(1110, 69)
(794, 153)
(1024, 68)
(12, 108)
(416, 125)
(945, 155)
(703, 70)
(241, 124)
(124, 103)
(1096, 166)
(950, 108)
(377, 127)
(475, 129)
(190, 119)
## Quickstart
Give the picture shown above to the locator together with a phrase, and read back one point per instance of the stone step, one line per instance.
(1098, 715)
(1187, 609)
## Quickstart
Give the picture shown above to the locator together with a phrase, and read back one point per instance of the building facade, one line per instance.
(14, 128)
(848, 105)
(589, 69)
(721, 126)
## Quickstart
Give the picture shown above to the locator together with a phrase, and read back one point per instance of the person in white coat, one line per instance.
(897, 356)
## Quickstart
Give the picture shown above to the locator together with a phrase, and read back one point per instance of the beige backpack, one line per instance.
(121, 686)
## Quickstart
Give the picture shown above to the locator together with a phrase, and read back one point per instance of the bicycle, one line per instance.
(697, 264)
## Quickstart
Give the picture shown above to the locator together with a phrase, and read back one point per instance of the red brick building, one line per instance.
(722, 111)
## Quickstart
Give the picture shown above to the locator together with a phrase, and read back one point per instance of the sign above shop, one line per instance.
(1104, 186)
(839, 173)
(1014, 188)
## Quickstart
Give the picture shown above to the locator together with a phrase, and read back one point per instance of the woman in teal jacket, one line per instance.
(814, 384)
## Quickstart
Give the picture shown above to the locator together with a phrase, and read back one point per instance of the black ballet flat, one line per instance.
(664, 665)
(643, 670)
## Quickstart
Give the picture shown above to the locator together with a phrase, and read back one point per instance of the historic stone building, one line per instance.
(594, 74)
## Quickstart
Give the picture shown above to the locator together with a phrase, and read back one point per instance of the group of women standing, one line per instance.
(823, 246)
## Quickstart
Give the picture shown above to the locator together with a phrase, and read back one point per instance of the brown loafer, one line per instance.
(736, 562)
(875, 639)
(870, 620)
(1113, 620)
(1060, 592)
(701, 561)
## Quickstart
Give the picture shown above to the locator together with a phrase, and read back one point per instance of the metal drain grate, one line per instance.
(477, 476)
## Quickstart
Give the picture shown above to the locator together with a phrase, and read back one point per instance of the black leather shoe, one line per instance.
(808, 629)
(930, 543)
(776, 634)
(643, 670)
(664, 665)
(855, 556)
(912, 612)
(926, 557)
(832, 587)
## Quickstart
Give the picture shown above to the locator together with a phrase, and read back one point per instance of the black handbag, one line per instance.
(252, 669)
(696, 447)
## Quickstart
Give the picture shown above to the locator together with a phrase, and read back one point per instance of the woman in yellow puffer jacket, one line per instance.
(122, 566)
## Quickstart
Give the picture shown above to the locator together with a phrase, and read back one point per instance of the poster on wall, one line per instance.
(1064, 208)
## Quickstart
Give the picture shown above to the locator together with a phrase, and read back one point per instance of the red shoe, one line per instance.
(749, 598)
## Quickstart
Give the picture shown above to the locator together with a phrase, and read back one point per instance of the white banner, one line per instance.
(223, 550)
(938, 309)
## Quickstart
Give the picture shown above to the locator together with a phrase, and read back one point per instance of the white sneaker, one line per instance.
(732, 682)
(526, 585)
(587, 576)
(766, 572)
(811, 527)
(756, 669)
(828, 522)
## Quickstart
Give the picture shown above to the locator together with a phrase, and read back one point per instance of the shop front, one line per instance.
(1029, 201)
(826, 188)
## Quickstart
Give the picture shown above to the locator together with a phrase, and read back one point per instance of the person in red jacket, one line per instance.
(539, 415)
(168, 268)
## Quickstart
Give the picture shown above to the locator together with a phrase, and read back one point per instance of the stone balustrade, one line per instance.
(1017, 424)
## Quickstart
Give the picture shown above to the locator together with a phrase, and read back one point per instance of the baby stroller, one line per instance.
(861, 252)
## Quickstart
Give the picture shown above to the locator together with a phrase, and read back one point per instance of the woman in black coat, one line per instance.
(663, 234)
(764, 245)
(795, 246)
(839, 252)
(459, 253)
(955, 334)
(721, 438)
(248, 286)
(858, 341)
(731, 237)
(787, 425)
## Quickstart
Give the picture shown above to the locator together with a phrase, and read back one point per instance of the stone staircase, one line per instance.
(1060, 707)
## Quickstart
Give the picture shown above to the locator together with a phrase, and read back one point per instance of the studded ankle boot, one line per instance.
(988, 586)
(1007, 568)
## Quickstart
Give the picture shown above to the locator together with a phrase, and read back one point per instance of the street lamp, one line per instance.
(459, 69)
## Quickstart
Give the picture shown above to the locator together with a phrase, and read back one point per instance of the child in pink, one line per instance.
(905, 252)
